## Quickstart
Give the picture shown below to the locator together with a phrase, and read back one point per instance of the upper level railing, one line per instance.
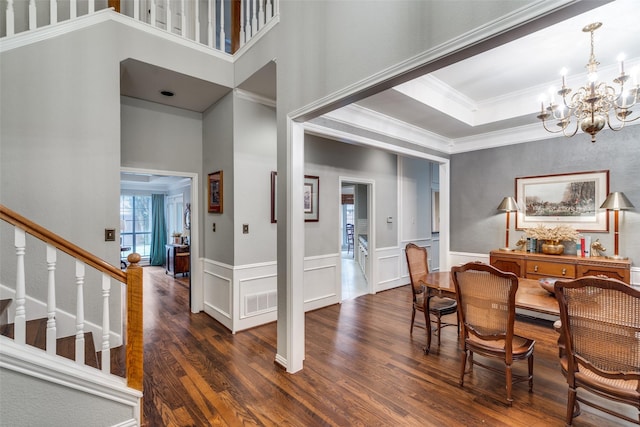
(224, 25)
(132, 278)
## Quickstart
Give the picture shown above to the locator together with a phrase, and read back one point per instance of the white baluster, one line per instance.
(261, 18)
(243, 36)
(153, 13)
(196, 36)
(10, 18)
(136, 10)
(106, 352)
(73, 8)
(20, 322)
(254, 18)
(223, 37)
(53, 11)
(33, 15)
(169, 16)
(183, 22)
(269, 9)
(247, 18)
(51, 300)
(210, 30)
(92, 6)
(79, 313)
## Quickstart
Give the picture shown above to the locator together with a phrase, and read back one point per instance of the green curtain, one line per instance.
(158, 230)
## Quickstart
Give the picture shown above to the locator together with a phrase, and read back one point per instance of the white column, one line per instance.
(152, 18)
(20, 322)
(73, 9)
(136, 10)
(106, 348)
(254, 18)
(169, 17)
(291, 261)
(211, 14)
(51, 300)
(243, 12)
(92, 6)
(183, 22)
(79, 313)
(248, 30)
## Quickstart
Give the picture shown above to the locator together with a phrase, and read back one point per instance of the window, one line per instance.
(135, 224)
(175, 211)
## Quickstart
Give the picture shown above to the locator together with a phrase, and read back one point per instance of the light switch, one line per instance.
(245, 228)
(109, 234)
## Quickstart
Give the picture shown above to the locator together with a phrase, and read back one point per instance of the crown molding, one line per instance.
(253, 97)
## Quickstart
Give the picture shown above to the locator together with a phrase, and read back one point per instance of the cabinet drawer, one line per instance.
(553, 269)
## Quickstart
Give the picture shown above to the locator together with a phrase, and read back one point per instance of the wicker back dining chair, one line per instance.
(601, 326)
(486, 305)
(422, 300)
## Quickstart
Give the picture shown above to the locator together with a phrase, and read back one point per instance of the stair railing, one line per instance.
(227, 26)
(132, 278)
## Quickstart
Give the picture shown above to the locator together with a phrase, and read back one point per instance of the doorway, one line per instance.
(355, 238)
(181, 219)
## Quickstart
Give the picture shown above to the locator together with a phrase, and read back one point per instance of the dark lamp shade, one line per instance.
(508, 205)
(616, 201)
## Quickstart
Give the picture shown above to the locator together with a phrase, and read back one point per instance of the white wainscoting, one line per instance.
(322, 281)
(218, 291)
(460, 258)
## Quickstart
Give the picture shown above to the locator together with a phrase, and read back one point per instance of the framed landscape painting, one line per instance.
(215, 192)
(310, 197)
(572, 199)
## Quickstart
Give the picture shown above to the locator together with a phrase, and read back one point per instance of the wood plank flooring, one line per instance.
(362, 368)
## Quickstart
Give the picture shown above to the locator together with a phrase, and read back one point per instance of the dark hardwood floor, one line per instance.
(362, 368)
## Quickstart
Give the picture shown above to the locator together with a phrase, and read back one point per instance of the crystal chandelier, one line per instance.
(593, 105)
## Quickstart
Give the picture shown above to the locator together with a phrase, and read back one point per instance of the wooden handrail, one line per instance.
(58, 242)
(132, 278)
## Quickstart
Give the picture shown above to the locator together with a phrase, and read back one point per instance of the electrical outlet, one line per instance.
(109, 234)
(245, 228)
(214, 227)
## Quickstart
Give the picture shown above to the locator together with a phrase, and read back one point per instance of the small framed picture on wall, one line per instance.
(215, 192)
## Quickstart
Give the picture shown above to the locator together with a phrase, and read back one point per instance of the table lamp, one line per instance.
(508, 205)
(616, 202)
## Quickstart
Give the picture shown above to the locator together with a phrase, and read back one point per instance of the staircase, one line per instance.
(60, 362)
(36, 337)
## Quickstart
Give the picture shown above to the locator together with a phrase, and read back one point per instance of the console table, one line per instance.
(536, 266)
(178, 259)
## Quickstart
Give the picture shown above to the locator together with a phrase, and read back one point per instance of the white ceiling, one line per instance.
(495, 91)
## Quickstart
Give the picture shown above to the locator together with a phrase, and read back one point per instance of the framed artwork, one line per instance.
(215, 192)
(274, 187)
(572, 199)
(310, 198)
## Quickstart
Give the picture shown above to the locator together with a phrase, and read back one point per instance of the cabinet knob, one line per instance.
(535, 268)
(564, 271)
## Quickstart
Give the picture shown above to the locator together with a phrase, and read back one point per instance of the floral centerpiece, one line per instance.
(552, 236)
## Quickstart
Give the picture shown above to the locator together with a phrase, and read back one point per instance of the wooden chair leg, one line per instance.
(413, 318)
(509, 376)
(427, 325)
(530, 361)
(571, 403)
(463, 367)
(439, 328)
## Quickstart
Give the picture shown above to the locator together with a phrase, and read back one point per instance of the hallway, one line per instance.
(354, 283)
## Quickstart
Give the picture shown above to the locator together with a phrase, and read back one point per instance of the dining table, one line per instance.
(530, 295)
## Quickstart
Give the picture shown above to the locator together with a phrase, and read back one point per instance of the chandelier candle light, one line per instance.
(591, 105)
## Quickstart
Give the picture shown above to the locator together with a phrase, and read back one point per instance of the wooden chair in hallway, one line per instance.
(601, 327)
(422, 300)
(487, 308)
(350, 231)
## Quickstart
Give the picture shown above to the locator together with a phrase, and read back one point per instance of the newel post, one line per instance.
(135, 344)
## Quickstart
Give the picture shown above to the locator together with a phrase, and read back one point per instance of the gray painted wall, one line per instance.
(480, 179)
(217, 155)
(254, 157)
(329, 160)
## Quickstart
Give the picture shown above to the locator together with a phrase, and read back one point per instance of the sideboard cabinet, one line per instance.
(536, 266)
(177, 260)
